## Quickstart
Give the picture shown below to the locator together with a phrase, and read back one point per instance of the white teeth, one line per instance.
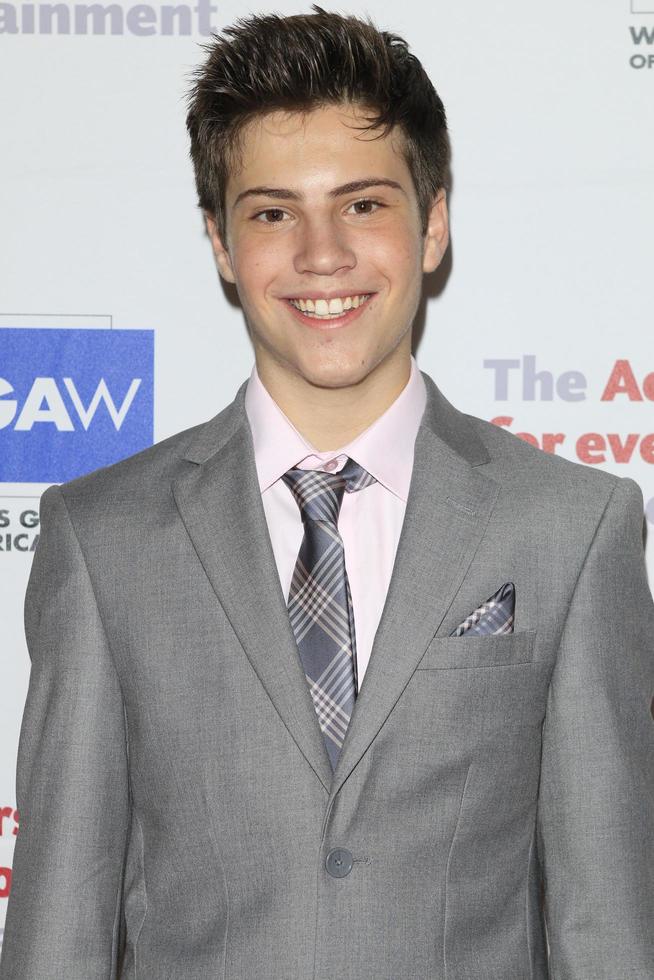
(328, 309)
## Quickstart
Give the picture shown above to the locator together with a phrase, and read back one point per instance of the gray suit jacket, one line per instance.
(178, 808)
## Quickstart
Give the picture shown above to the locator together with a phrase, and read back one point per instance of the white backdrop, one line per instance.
(544, 323)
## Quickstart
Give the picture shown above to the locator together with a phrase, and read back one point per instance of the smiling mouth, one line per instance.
(332, 309)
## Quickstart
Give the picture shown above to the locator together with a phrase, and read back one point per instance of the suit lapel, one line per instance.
(448, 508)
(219, 500)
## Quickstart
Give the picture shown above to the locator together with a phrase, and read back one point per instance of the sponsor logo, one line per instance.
(9, 821)
(140, 19)
(19, 532)
(72, 401)
(642, 36)
(5, 882)
(521, 379)
(8, 828)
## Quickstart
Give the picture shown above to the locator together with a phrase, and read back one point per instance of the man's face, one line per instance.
(324, 244)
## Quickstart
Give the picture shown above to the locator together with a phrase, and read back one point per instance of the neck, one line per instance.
(331, 417)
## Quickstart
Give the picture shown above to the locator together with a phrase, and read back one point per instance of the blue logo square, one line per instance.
(72, 401)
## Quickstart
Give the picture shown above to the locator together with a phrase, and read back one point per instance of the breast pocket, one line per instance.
(462, 652)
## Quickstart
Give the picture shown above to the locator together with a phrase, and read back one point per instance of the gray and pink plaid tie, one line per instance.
(319, 600)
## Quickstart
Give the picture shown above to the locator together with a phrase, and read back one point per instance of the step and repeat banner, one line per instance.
(116, 332)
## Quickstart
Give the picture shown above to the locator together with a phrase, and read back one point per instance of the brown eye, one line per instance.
(276, 215)
(366, 206)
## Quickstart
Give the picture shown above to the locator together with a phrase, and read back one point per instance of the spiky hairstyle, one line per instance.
(266, 63)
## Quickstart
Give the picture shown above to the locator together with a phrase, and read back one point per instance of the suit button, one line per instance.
(339, 862)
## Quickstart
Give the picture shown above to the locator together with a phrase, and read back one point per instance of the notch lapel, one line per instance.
(448, 507)
(219, 500)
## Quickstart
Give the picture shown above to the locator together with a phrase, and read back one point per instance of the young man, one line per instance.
(344, 682)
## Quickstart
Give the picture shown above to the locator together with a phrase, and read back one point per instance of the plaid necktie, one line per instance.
(319, 600)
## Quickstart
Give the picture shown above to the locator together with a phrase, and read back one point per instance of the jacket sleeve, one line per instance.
(596, 797)
(64, 911)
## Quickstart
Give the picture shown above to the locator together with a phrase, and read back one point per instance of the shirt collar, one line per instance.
(384, 449)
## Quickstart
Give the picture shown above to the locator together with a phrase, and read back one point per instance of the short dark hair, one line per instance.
(265, 63)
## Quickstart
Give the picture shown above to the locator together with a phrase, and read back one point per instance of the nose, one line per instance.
(323, 248)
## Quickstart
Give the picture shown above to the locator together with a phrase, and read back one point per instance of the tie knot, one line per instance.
(319, 495)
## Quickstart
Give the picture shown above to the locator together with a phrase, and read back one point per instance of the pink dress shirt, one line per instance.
(370, 520)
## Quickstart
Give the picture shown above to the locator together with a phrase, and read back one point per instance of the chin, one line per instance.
(335, 375)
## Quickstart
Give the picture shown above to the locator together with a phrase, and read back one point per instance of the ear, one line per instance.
(223, 261)
(437, 235)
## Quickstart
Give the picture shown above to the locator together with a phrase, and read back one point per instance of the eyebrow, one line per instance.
(284, 194)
